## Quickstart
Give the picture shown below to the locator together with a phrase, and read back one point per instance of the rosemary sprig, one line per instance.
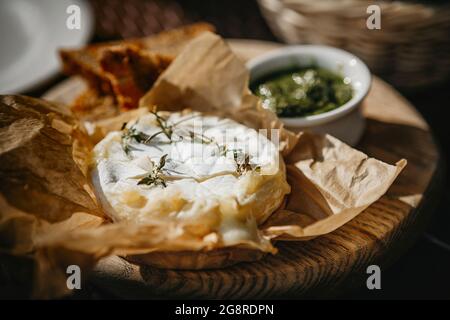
(155, 176)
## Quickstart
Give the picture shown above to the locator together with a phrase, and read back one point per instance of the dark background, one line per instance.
(424, 271)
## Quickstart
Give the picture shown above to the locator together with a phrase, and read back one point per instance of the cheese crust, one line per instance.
(219, 177)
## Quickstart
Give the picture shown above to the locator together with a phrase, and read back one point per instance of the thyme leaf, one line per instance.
(200, 138)
(155, 176)
(166, 129)
(242, 160)
(132, 134)
(162, 123)
(243, 163)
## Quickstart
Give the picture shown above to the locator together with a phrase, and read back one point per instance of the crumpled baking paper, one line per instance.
(48, 210)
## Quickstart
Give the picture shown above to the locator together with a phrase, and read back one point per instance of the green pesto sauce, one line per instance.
(300, 92)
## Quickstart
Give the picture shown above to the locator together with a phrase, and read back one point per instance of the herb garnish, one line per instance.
(241, 159)
(243, 162)
(155, 176)
(166, 129)
(141, 137)
(132, 134)
(200, 138)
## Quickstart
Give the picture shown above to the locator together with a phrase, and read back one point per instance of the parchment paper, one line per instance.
(49, 212)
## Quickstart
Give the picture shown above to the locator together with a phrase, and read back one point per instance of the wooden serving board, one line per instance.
(327, 265)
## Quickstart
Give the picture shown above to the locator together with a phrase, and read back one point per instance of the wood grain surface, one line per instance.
(331, 264)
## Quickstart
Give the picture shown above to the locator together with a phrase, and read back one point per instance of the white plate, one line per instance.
(31, 32)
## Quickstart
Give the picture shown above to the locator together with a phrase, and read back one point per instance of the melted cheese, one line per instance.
(203, 187)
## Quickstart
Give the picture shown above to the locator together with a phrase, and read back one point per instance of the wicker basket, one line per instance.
(411, 50)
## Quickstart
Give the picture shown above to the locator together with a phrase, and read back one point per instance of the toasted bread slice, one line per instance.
(132, 71)
(126, 69)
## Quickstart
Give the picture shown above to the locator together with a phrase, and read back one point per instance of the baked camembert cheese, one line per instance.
(211, 173)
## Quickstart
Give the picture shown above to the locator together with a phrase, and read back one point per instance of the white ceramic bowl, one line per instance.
(345, 122)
